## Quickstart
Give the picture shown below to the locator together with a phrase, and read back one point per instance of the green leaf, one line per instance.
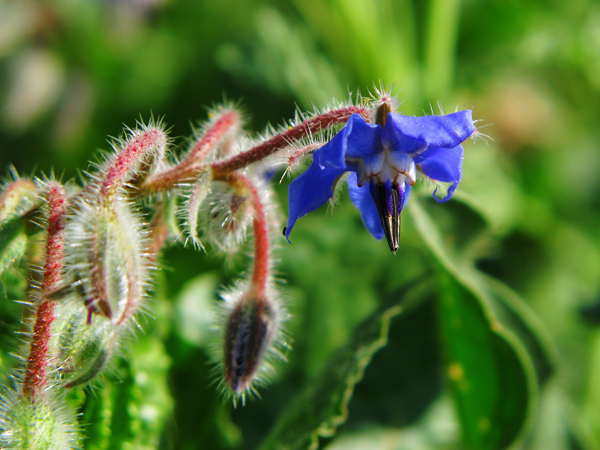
(322, 407)
(515, 314)
(132, 413)
(492, 378)
(13, 241)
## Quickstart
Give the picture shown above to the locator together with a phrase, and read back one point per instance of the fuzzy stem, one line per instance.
(35, 375)
(221, 126)
(189, 172)
(188, 168)
(159, 230)
(115, 175)
(277, 142)
(260, 275)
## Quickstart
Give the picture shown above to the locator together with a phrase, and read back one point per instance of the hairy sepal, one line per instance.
(251, 339)
(43, 424)
(106, 254)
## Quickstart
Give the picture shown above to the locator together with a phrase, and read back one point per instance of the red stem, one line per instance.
(189, 171)
(188, 168)
(268, 147)
(224, 123)
(260, 275)
(115, 175)
(35, 375)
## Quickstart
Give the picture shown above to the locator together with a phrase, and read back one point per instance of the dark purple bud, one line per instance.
(247, 336)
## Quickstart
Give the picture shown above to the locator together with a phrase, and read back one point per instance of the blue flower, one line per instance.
(383, 159)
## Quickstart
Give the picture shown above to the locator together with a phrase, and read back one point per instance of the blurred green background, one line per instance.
(73, 72)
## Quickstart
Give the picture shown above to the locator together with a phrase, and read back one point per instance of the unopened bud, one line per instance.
(81, 349)
(18, 197)
(252, 338)
(106, 254)
(136, 155)
(224, 217)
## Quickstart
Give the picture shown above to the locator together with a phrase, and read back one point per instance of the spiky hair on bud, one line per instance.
(382, 101)
(224, 217)
(106, 257)
(220, 213)
(17, 195)
(81, 350)
(137, 154)
(215, 138)
(44, 424)
(250, 340)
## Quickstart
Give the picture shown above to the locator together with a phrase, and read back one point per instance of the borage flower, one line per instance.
(383, 159)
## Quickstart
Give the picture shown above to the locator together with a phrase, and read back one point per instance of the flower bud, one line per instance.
(106, 255)
(18, 197)
(80, 349)
(136, 155)
(224, 217)
(43, 424)
(252, 338)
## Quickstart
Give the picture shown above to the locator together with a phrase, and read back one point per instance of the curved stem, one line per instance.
(135, 151)
(260, 274)
(193, 163)
(270, 146)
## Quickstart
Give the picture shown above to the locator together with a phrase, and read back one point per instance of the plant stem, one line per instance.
(279, 141)
(187, 169)
(35, 375)
(125, 162)
(260, 274)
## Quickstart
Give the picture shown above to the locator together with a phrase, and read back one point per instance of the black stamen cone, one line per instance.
(389, 213)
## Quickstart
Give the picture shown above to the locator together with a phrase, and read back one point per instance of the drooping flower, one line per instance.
(383, 159)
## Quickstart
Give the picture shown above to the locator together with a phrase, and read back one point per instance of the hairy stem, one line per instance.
(193, 162)
(123, 165)
(260, 274)
(35, 375)
(270, 146)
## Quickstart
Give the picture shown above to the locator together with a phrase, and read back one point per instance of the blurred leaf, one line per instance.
(13, 241)
(322, 407)
(414, 357)
(515, 314)
(194, 308)
(492, 381)
(558, 423)
(131, 414)
(437, 429)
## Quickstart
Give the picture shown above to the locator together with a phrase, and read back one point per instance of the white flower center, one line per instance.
(397, 167)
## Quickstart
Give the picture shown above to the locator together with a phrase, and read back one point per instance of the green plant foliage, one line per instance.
(498, 347)
(323, 406)
(132, 412)
(13, 241)
(491, 377)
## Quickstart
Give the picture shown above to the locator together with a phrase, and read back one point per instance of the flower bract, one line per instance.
(383, 159)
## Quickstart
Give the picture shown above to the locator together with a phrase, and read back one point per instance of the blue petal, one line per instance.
(413, 134)
(444, 164)
(361, 198)
(309, 191)
(357, 139)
